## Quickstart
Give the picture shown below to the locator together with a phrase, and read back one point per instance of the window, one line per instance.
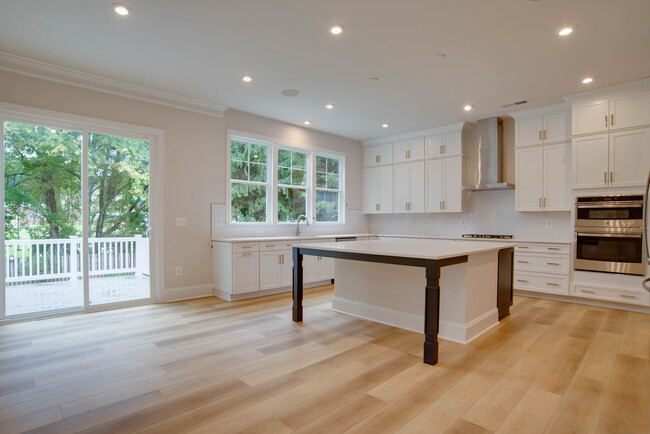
(292, 185)
(328, 189)
(277, 183)
(249, 179)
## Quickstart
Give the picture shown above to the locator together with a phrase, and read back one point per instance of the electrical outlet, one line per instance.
(549, 223)
(181, 221)
(179, 271)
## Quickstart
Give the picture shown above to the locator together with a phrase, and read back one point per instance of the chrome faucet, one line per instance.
(304, 217)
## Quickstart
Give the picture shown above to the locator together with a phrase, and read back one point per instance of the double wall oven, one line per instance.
(609, 234)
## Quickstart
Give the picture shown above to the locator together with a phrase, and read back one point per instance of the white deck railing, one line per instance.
(37, 260)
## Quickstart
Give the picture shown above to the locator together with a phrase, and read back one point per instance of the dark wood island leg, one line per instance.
(297, 284)
(432, 313)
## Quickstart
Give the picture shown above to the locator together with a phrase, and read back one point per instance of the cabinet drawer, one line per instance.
(276, 245)
(543, 248)
(245, 247)
(554, 284)
(542, 263)
(610, 294)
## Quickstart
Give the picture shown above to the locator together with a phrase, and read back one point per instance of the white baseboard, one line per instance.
(254, 294)
(585, 301)
(462, 333)
(187, 293)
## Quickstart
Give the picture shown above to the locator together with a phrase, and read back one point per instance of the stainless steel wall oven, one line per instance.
(609, 234)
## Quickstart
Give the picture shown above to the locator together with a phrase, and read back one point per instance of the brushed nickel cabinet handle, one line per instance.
(540, 134)
(627, 296)
(553, 248)
(523, 262)
(587, 291)
(279, 259)
(523, 247)
(605, 177)
(606, 121)
(552, 284)
(553, 263)
(523, 281)
(611, 177)
(611, 122)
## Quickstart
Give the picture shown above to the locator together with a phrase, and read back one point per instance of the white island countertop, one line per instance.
(410, 248)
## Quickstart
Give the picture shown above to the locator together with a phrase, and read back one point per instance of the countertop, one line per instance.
(410, 248)
(427, 237)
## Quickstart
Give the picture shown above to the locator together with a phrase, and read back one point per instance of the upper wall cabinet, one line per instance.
(600, 115)
(547, 129)
(378, 190)
(444, 145)
(378, 155)
(408, 150)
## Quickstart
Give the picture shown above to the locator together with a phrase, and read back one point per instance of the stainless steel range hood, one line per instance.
(486, 157)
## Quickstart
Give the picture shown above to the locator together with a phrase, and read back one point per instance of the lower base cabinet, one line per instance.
(275, 269)
(542, 268)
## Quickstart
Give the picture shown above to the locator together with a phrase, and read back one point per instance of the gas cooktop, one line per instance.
(500, 237)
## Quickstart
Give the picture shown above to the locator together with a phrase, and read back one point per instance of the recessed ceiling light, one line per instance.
(565, 31)
(385, 125)
(307, 122)
(329, 106)
(467, 108)
(121, 9)
(336, 29)
(587, 80)
(247, 78)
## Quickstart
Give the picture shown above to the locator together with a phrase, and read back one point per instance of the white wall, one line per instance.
(486, 212)
(194, 172)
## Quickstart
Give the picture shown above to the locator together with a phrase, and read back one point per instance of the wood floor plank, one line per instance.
(532, 413)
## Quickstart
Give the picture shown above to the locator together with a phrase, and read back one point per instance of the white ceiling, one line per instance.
(498, 51)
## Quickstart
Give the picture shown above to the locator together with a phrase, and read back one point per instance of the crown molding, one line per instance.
(36, 68)
(540, 111)
(630, 86)
(415, 134)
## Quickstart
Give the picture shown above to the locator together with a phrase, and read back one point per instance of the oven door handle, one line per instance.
(610, 205)
(600, 234)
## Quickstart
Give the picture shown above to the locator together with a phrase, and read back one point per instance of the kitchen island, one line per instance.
(476, 280)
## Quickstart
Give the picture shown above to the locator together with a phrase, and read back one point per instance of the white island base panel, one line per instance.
(395, 295)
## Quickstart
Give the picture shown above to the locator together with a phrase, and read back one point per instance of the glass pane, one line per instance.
(299, 160)
(284, 158)
(321, 164)
(118, 218)
(327, 206)
(258, 154)
(332, 165)
(321, 180)
(248, 203)
(239, 151)
(292, 202)
(258, 172)
(298, 177)
(284, 176)
(332, 181)
(239, 170)
(42, 219)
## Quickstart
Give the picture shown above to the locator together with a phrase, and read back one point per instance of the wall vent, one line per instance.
(512, 104)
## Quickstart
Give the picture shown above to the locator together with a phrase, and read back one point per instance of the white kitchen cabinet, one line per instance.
(628, 110)
(542, 268)
(408, 150)
(542, 174)
(317, 268)
(378, 155)
(547, 129)
(245, 272)
(275, 269)
(409, 187)
(616, 159)
(378, 190)
(444, 185)
(444, 145)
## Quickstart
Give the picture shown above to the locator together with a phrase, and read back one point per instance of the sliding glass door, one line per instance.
(76, 221)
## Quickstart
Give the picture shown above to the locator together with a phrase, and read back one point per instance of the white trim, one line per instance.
(187, 293)
(465, 333)
(585, 301)
(562, 107)
(415, 134)
(48, 71)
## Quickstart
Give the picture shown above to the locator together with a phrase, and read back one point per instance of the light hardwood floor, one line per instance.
(211, 366)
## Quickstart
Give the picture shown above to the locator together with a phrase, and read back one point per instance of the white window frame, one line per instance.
(308, 181)
(340, 190)
(272, 176)
(268, 183)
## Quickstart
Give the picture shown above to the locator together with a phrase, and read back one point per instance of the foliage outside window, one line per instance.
(328, 189)
(292, 185)
(248, 181)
